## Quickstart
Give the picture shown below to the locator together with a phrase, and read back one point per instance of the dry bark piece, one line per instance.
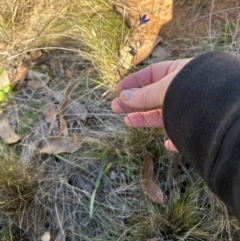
(7, 133)
(148, 181)
(61, 144)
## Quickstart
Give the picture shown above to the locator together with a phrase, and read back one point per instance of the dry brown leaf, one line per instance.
(37, 79)
(61, 144)
(7, 133)
(76, 110)
(50, 112)
(35, 75)
(20, 76)
(63, 130)
(148, 181)
(46, 236)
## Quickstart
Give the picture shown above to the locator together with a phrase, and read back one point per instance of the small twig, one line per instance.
(56, 210)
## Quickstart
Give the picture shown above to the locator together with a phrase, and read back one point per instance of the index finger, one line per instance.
(147, 76)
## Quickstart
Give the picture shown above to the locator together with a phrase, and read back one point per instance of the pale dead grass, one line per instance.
(42, 25)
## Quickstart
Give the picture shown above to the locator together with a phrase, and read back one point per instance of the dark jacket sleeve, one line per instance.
(201, 113)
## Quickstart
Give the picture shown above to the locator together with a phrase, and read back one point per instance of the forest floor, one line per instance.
(70, 169)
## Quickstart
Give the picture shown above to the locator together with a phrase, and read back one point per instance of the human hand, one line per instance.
(141, 95)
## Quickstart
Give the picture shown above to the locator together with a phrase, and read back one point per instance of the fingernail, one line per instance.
(126, 95)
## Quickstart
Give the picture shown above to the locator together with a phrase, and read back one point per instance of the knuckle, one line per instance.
(145, 95)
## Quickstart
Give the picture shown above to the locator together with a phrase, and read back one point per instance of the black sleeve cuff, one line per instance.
(201, 113)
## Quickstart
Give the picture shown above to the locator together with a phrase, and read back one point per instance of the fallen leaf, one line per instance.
(148, 181)
(37, 79)
(63, 130)
(35, 75)
(61, 144)
(46, 236)
(7, 133)
(18, 81)
(76, 110)
(51, 113)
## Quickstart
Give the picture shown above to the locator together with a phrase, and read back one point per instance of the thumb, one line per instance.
(148, 97)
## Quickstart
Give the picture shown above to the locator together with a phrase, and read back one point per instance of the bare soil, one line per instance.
(197, 21)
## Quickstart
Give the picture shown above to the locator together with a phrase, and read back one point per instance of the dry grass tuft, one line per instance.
(32, 25)
(17, 183)
(26, 20)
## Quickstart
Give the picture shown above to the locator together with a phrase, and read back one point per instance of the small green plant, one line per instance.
(29, 116)
(226, 34)
(185, 218)
(5, 91)
(105, 168)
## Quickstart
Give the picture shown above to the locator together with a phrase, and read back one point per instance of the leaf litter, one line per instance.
(7, 133)
(70, 180)
(61, 144)
(80, 223)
